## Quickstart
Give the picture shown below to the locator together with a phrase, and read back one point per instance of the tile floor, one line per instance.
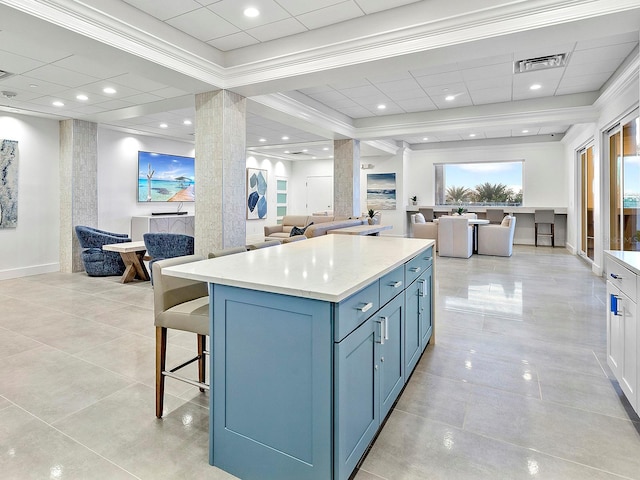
(516, 387)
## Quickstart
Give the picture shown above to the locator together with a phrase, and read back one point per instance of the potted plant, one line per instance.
(414, 199)
(373, 218)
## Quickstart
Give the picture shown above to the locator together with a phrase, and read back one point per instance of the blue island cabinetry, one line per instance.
(302, 380)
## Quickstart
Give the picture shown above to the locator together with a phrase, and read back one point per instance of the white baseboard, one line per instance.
(28, 271)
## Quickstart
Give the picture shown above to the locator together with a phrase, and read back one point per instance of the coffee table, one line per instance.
(132, 254)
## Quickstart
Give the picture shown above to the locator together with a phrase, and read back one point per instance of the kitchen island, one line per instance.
(312, 342)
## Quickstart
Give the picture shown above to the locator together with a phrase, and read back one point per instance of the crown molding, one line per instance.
(118, 25)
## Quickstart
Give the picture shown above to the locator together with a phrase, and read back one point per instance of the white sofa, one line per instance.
(455, 237)
(497, 239)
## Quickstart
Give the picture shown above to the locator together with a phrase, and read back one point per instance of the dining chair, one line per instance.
(179, 304)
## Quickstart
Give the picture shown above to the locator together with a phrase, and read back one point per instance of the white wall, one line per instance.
(32, 247)
(275, 169)
(118, 177)
(545, 177)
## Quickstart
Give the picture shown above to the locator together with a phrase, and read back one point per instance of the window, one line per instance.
(479, 183)
(624, 185)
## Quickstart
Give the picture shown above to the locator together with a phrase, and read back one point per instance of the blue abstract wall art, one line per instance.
(256, 194)
(8, 183)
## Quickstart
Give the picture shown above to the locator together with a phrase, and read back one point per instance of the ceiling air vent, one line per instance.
(540, 63)
(4, 74)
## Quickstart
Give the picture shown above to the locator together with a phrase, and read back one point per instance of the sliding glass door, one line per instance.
(624, 185)
(587, 202)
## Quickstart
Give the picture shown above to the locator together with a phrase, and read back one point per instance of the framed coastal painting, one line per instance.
(256, 194)
(8, 183)
(381, 191)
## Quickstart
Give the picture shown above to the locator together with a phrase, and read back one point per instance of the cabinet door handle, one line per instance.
(423, 289)
(382, 329)
(617, 277)
(416, 269)
(385, 321)
(365, 307)
(614, 304)
(397, 284)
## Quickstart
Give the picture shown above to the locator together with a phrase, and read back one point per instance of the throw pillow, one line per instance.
(299, 231)
(505, 221)
(419, 218)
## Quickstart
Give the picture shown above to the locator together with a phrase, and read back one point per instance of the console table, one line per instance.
(140, 225)
(312, 342)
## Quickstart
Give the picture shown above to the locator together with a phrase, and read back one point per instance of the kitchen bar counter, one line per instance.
(311, 344)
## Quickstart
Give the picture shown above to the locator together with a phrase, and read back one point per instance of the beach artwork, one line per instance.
(8, 183)
(381, 191)
(165, 178)
(256, 194)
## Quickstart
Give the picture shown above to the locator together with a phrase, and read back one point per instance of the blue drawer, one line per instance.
(391, 284)
(353, 311)
(418, 265)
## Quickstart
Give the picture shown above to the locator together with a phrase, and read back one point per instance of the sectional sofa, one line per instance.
(321, 224)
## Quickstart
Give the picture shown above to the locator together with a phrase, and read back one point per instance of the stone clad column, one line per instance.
(78, 187)
(346, 178)
(220, 134)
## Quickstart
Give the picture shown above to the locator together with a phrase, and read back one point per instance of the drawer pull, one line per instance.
(617, 277)
(365, 307)
(416, 269)
(397, 284)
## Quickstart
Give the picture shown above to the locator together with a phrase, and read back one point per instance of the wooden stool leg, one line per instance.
(161, 357)
(202, 362)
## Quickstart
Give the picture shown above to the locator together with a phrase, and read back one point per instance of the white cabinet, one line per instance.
(623, 334)
(184, 224)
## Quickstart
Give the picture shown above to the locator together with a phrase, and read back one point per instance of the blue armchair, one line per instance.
(166, 245)
(99, 263)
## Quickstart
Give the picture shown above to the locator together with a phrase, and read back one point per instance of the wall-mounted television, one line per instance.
(165, 178)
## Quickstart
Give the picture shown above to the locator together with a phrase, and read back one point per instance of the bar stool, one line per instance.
(545, 217)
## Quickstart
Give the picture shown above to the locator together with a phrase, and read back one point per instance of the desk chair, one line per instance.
(545, 217)
(180, 304)
(495, 215)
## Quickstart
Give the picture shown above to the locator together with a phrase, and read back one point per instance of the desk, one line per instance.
(132, 254)
(475, 222)
(362, 230)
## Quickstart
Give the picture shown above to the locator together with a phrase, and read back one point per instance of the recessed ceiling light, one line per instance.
(251, 12)
(109, 90)
(382, 106)
(82, 97)
(262, 140)
(187, 122)
(535, 86)
(285, 138)
(58, 103)
(450, 98)
(164, 125)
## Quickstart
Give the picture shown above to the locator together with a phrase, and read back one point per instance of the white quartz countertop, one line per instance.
(328, 268)
(630, 259)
